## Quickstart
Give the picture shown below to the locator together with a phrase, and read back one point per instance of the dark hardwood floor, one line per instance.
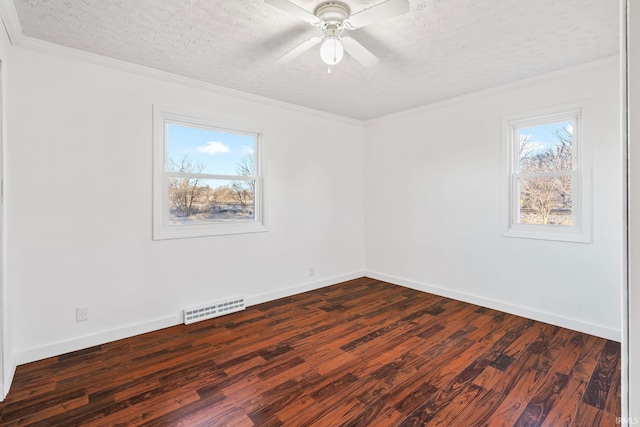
(360, 353)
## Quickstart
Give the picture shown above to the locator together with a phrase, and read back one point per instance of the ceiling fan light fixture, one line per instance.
(331, 51)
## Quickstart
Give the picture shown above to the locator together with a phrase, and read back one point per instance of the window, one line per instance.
(207, 176)
(547, 197)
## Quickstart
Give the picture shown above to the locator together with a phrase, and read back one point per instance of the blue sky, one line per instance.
(220, 152)
(543, 136)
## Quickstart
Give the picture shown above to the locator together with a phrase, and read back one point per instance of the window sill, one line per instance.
(206, 230)
(546, 232)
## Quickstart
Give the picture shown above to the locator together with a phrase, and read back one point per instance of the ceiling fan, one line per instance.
(332, 17)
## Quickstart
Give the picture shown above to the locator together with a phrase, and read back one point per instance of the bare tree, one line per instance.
(541, 195)
(246, 167)
(243, 195)
(184, 193)
(245, 190)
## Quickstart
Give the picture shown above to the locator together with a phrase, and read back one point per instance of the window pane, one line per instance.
(546, 148)
(196, 150)
(197, 201)
(546, 200)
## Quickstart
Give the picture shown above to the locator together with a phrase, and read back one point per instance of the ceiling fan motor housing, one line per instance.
(332, 12)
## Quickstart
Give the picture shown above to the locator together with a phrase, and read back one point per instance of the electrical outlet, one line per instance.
(312, 271)
(82, 314)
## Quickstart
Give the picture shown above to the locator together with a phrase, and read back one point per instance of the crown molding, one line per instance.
(10, 20)
(564, 72)
(18, 39)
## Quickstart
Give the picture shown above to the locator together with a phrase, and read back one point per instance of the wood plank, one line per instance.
(479, 411)
(590, 416)
(586, 363)
(450, 414)
(600, 382)
(565, 410)
(543, 400)
(614, 398)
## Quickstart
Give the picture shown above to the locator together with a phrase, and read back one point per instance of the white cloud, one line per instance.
(247, 150)
(213, 148)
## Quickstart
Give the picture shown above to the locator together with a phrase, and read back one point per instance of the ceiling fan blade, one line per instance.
(298, 50)
(359, 52)
(379, 12)
(295, 10)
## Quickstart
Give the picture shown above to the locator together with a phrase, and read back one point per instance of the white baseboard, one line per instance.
(79, 343)
(310, 286)
(565, 322)
(74, 344)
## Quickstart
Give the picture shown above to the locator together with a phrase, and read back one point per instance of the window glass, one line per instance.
(209, 151)
(197, 200)
(546, 200)
(545, 160)
(546, 148)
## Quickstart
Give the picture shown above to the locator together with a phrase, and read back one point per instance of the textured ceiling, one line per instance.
(440, 49)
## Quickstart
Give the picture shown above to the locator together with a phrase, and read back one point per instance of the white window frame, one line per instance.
(580, 231)
(162, 117)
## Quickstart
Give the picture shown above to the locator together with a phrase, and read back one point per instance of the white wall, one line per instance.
(633, 81)
(80, 189)
(7, 360)
(433, 198)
